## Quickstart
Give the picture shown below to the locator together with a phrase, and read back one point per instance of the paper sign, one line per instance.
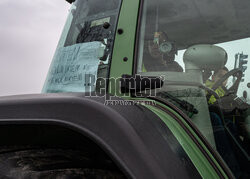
(74, 68)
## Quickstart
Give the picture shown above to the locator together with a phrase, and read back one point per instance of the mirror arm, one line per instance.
(138, 83)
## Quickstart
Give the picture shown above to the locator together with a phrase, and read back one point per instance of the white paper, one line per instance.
(74, 68)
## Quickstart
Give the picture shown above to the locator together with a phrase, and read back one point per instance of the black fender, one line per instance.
(134, 137)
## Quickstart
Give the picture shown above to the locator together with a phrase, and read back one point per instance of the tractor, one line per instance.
(137, 89)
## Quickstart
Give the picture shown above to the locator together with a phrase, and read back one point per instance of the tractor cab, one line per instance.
(198, 49)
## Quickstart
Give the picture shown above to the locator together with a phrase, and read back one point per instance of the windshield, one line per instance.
(202, 49)
(85, 48)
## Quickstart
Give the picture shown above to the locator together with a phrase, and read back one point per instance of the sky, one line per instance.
(29, 33)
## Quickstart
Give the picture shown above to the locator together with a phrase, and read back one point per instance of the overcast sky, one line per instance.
(29, 32)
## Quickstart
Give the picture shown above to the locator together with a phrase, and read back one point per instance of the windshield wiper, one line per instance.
(182, 103)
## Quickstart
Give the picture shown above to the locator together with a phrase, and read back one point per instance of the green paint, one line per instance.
(199, 140)
(165, 117)
(124, 43)
(194, 153)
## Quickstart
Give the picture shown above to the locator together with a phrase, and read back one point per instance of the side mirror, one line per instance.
(70, 1)
(137, 83)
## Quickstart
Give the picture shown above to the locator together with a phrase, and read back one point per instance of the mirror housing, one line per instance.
(70, 1)
(138, 83)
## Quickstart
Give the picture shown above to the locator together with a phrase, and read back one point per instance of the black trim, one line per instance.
(138, 83)
(198, 133)
(70, 1)
(137, 37)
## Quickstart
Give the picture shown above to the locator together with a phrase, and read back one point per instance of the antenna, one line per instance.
(157, 18)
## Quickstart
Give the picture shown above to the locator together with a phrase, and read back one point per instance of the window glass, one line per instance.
(84, 51)
(202, 49)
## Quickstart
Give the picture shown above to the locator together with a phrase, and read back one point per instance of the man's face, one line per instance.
(154, 50)
(218, 76)
(153, 45)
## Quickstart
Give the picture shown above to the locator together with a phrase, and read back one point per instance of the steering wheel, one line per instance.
(234, 88)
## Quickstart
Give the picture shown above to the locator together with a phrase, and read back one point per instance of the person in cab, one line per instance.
(221, 89)
(161, 54)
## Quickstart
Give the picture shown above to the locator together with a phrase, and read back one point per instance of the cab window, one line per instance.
(202, 49)
(84, 51)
